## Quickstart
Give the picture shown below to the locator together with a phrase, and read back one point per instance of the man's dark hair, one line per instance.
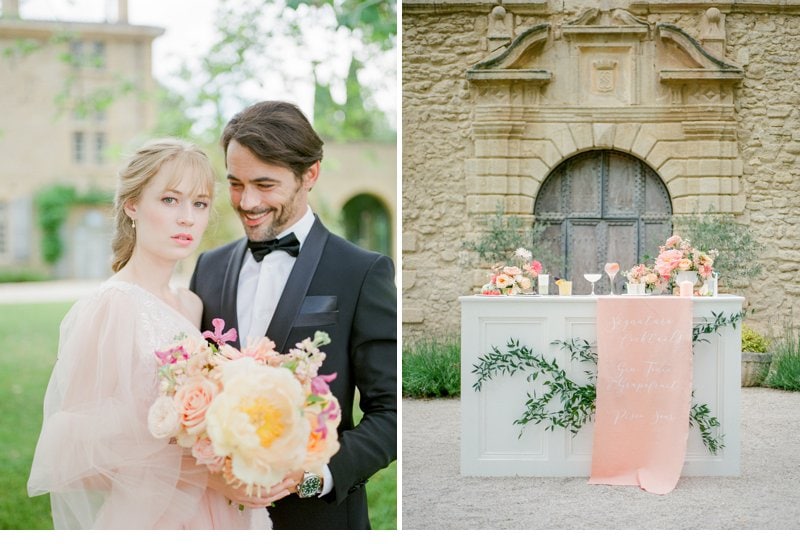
(275, 132)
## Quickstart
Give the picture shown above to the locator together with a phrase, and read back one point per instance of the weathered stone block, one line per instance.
(409, 242)
(624, 136)
(582, 135)
(603, 134)
(413, 315)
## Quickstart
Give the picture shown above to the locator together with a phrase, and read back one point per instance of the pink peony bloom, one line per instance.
(534, 268)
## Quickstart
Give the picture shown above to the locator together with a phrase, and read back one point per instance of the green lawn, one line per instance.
(29, 336)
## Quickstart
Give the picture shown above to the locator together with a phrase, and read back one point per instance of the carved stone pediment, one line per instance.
(513, 63)
(595, 21)
(683, 59)
(607, 59)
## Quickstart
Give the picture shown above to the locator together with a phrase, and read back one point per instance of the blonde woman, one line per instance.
(95, 455)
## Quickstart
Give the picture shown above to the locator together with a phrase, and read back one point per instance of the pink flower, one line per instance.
(218, 337)
(192, 400)
(534, 268)
(512, 271)
(673, 241)
(203, 452)
(685, 264)
(502, 281)
(172, 355)
(319, 385)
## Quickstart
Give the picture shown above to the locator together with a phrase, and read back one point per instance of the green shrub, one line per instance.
(738, 249)
(784, 372)
(17, 275)
(432, 368)
(752, 341)
(502, 234)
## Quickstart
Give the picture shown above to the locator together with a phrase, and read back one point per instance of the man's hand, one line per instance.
(239, 496)
(287, 486)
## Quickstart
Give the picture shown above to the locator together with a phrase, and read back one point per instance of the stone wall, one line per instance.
(441, 42)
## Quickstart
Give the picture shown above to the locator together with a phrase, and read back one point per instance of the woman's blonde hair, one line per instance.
(146, 162)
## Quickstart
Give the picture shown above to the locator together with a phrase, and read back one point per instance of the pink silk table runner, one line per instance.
(644, 390)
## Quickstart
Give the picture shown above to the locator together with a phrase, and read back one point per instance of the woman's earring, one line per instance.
(133, 223)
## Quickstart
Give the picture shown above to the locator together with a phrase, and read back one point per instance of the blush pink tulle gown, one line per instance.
(95, 456)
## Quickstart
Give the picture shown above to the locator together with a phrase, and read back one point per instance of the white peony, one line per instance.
(258, 421)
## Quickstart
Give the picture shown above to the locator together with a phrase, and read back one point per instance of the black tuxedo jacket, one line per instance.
(349, 293)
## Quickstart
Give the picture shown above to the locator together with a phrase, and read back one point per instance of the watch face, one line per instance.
(310, 486)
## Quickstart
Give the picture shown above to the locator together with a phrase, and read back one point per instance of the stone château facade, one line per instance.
(498, 96)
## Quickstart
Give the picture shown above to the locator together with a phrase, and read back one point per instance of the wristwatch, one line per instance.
(310, 486)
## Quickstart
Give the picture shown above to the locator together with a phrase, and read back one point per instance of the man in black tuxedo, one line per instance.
(290, 277)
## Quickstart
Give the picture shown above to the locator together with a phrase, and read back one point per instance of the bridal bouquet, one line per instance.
(253, 414)
(514, 279)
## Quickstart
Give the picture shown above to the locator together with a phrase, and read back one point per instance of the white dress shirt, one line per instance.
(259, 291)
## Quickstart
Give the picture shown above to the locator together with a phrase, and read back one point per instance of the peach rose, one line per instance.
(192, 400)
(685, 264)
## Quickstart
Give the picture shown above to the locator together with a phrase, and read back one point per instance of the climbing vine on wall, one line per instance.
(53, 204)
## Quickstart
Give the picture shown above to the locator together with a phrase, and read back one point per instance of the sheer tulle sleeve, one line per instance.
(95, 455)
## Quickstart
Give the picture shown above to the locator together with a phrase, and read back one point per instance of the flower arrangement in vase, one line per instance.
(678, 260)
(643, 279)
(514, 279)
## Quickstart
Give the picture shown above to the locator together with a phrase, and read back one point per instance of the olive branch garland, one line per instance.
(577, 402)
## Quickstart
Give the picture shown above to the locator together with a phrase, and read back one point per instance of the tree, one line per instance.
(295, 44)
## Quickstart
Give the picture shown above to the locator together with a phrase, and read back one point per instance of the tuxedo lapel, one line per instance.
(230, 287)
(297, 285)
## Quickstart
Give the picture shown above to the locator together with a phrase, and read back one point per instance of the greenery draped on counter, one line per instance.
(576, 403)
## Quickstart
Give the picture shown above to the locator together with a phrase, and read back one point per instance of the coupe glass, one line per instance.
(592, 278)
(611, 270)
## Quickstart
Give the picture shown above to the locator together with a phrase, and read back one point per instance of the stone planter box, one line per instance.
(754, 368)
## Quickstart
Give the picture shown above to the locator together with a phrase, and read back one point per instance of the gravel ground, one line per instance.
(765, 496)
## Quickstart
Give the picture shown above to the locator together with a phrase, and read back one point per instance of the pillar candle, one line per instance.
(686, 288)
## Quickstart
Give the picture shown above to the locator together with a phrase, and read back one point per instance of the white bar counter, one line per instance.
(489, 439)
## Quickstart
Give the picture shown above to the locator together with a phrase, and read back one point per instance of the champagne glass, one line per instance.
(611, 270)
(592, 278)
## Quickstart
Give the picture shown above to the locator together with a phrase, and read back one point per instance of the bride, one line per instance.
(95, 456)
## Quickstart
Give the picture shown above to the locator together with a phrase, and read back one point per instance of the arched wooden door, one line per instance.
(602, 206)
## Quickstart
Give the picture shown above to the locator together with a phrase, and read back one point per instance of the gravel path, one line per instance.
(765, 496)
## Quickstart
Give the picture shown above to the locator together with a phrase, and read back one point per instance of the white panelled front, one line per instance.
(491, 445)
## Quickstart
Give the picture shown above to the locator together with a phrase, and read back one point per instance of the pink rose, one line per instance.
(192, 400)
(673, 241)
(512, 271)
(203, 452)
(685, 264)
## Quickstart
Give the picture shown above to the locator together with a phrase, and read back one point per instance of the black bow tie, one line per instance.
(289, 243)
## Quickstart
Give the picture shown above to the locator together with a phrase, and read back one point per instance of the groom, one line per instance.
(291, 277)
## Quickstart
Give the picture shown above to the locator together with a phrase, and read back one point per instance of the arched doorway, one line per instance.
(367, 223)
(602, 206)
